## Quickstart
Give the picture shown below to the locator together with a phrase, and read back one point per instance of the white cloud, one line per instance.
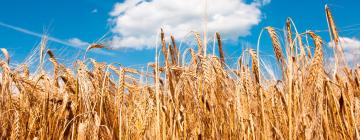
(351, 48)
(122, 7)
(136, 22)
(77, 42)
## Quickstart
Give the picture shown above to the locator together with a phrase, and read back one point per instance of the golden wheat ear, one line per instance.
(340, 61)
(221, 52)
(95, 45)
(173, 51)
(199, 42)
(55, 63)
(318, 54)
(43, 44)
(289, 34)
(52, 56)
(255, 66)
(6, 54)
(332, 26)
(163, 43)
(276, 44)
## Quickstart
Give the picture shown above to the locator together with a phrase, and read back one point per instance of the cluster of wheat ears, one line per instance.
(200, 99)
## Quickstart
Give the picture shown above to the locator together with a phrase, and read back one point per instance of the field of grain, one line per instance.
(198, 99)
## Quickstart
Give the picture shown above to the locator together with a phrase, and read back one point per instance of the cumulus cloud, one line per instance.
(137, 22)
(351, 48)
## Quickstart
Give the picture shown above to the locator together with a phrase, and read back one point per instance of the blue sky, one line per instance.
(89, 20)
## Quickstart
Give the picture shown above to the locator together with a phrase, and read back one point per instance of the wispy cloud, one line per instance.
(73, 42)
(53, 39)
(95, 11)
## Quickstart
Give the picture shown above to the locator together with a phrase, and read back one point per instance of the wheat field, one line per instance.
(197, 99)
